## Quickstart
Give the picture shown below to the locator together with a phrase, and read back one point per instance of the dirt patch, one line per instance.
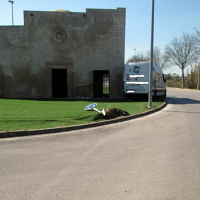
(83, 91)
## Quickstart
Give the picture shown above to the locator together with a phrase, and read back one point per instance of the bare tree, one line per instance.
(181, 52)
(162, 60)
(139, 57)
(196, 39)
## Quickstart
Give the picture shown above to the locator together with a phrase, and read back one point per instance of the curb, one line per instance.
(77, 127)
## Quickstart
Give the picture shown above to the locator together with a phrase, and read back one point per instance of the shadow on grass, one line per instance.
(29, 120)
(81, 118)
(64, 100)
(145, 99)
(125, 99)
(99, 116)
(43, 120)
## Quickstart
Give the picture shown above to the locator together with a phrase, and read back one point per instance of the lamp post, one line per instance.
(12, 2)
(197, 52)
(135, 51)
(151, 60)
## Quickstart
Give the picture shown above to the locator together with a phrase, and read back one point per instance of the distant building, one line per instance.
(174, 75)
(63, 54)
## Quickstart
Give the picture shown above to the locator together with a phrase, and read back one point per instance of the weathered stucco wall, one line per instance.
(78, 42)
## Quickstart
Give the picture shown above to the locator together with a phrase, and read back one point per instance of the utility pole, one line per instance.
(151, 60)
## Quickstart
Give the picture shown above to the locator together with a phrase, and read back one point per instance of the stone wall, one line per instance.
(78, 42)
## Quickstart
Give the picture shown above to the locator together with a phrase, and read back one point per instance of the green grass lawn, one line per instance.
(17, 114)
(105, 90)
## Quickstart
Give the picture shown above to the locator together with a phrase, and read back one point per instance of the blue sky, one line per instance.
(172, 18)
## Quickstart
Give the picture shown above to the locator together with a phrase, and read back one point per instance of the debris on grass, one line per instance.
(114, 113)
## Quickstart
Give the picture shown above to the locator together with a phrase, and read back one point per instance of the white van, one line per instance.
(136, 80)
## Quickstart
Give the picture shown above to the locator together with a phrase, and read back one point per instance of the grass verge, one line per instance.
(17, 114)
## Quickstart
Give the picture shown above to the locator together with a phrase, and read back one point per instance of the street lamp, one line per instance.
(11, 1)
(151, 60)
(197, 51)
(135, 50)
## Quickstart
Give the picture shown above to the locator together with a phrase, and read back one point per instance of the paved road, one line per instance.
(154, 157)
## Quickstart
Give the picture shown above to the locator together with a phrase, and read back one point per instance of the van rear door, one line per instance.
(136, 78)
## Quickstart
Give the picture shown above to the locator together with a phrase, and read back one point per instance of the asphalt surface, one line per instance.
(152, 157)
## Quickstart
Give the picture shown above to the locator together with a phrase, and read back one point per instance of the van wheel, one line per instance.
(155, 95)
